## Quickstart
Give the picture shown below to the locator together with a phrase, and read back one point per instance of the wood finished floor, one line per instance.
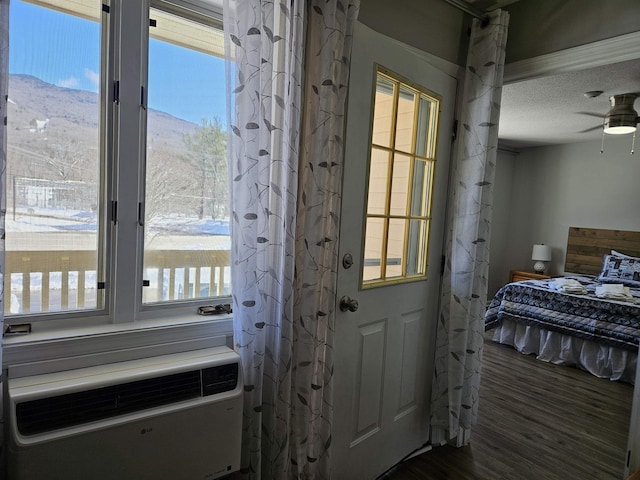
(535, 421)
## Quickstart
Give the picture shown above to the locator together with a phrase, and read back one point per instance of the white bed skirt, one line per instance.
(600, 360)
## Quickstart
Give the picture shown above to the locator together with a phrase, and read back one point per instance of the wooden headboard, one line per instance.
(587, 246)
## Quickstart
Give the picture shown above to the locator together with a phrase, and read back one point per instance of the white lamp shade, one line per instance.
(541, 253)
(620, 130)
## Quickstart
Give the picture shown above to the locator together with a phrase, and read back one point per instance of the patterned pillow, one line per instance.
(623, 255)
(620, 270)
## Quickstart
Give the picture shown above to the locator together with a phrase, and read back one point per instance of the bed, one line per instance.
(590, 318)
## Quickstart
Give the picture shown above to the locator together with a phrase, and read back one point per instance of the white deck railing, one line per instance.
(58, 280)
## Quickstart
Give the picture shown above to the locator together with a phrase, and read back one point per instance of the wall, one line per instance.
(499, 264)
(440, 29)
(557, 25)
(429, 25)
(555, 187)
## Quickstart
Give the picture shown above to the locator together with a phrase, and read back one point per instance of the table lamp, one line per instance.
(541, 254)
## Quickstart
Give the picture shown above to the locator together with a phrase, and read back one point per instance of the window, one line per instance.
(53, 240)
(117, 202)
(186, 247)
(401, 173)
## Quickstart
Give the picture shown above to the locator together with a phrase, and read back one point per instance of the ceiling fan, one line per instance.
(620, 119)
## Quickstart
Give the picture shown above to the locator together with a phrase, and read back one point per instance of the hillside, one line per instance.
(73, 118)
(53, 162)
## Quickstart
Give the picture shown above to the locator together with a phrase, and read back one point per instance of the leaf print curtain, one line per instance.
(459, 337)
(329, 40)
(265, 39)
(4, 89)
(277, 226)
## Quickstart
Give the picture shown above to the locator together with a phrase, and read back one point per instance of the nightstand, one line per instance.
(520, 275)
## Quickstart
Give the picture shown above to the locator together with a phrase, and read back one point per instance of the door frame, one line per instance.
(455, 73)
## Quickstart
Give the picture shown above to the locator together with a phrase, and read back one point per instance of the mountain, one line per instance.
(53, 162)
(52, 112)
(31, 96)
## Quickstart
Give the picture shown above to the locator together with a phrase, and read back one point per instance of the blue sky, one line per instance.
(64, 50)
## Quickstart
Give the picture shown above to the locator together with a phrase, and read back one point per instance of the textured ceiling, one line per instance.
(554, 110)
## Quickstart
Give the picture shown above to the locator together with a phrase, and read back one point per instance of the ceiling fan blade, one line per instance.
(597, 127)
(591, 114)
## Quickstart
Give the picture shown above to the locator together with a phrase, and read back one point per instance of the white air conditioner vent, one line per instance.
(118, 420)
(61, 411)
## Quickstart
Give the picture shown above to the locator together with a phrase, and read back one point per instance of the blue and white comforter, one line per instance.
(611, 322)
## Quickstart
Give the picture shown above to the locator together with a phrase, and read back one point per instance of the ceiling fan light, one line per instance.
(622, 118)
(620, 124)
(620, 130)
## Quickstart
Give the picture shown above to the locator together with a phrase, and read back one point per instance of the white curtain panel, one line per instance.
(4, 83)
(459, 338)
(265, 40)
(286, 348)
(328, 53)
(4, 91)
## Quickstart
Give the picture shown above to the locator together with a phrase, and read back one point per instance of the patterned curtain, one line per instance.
(329, 40)
(266, 40)
(4, 84)
(286, 357)
(459, 340)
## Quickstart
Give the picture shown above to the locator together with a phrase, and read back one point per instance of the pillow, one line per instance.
(623, 255)
(620, 270)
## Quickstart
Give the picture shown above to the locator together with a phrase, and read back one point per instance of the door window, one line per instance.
(401, 172)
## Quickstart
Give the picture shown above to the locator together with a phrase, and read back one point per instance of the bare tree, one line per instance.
(63, 156)
(168, 177)
(207, 152)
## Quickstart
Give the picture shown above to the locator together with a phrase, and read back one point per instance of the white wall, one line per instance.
(549, 189)
(538, 27)
(499, 264)
(429, 25)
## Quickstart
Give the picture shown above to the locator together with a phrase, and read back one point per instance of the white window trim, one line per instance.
(125, 328)
(78, 347)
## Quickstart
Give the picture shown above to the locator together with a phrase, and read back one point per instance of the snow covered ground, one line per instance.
(55, 220)
(48, 229)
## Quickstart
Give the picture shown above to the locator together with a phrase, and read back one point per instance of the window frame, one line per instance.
(124, 59)
(433, 128)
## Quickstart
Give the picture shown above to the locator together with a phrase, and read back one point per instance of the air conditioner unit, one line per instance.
(174, 417)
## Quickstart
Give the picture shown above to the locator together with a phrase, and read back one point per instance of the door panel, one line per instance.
(370, 375)
(384, 349)
(408, 371)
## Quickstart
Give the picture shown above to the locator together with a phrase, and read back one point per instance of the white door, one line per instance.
(384, 349)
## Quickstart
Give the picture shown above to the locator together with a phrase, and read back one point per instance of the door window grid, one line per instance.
(401, 173)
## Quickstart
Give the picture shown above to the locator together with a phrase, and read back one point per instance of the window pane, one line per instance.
(395, 247)
(417, 247)
(383, 112)
(404, 125)
(400, 184)
(424, 136)
(53, 158)
(378, 182)
(422, 178)
(374, 237)
(186, 199)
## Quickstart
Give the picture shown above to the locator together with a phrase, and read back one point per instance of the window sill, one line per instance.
(77, 347)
